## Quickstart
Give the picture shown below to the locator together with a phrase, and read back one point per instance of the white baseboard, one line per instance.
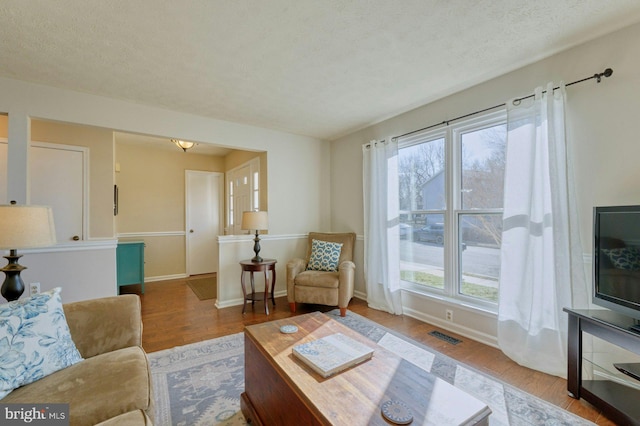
(453, 327)
(165, 278)
(238, 302)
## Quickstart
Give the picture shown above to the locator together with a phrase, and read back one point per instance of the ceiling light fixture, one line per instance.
(183, 144)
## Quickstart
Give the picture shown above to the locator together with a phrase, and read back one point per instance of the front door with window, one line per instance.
(243, 194)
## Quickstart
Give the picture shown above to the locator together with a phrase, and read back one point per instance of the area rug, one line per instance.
(201, 383)
(204, 288)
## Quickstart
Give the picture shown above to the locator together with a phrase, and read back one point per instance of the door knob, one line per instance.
(191, 231)
(75, 238)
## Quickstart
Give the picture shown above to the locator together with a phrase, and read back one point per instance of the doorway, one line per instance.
(204, 213)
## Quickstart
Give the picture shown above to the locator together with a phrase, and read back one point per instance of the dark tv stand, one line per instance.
(631, 370)
(617, 401)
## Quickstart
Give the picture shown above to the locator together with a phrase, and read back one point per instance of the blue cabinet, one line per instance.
(130, 263)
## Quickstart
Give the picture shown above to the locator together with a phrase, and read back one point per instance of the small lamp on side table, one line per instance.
(259, 221)
(22, 227)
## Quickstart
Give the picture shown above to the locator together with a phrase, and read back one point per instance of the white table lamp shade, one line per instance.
(255, 220)
(26, 227)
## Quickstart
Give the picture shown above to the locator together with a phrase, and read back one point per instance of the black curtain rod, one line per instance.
(597, 76)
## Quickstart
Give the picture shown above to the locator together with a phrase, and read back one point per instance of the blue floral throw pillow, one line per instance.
(627, 258)
(34, 340)
(324, 256)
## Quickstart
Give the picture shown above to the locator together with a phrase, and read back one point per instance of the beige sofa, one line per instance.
(112, 385)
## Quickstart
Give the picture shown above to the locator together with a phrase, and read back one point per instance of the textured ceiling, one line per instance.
(318, 68)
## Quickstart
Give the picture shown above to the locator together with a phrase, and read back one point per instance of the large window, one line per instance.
(451, 192)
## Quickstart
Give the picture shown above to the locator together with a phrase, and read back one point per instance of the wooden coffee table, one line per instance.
(281, 390)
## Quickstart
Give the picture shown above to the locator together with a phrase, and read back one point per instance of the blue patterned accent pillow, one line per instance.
(324, 256)
(34, 340)
(627, 258)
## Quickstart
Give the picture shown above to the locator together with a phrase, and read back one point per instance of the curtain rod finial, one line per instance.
(606, 73)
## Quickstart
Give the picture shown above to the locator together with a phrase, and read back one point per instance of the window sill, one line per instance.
(486, 309)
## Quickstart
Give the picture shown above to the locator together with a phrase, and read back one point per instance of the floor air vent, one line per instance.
(445, 337)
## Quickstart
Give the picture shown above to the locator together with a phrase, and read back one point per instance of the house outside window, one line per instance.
(451, 184)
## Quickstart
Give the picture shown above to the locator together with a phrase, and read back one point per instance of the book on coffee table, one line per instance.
(332, 354)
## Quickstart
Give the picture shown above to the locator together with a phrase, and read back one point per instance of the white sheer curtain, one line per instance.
(381, 219)
(542, 269)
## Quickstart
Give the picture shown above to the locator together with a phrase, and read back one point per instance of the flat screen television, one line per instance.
(616, 259)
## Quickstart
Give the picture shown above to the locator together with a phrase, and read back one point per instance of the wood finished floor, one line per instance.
(173, 316)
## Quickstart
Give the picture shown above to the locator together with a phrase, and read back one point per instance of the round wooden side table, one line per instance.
(265, 266)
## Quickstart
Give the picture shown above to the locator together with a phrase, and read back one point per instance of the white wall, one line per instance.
(602, 136)
(298, 166)
(235, 247)
(84, 270)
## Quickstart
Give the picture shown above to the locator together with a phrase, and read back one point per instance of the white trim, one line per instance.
(150, 234)
(451, 301)
(165, 278)
(452, 212)
(487, 339)
(226, 239)
(229, 239)
(83, 245)
(238, 302)
(453, 327)
(360, 295)
(228, 303)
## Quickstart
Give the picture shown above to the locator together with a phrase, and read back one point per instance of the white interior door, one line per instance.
(58, 175)
(57, 180)
(204, 219)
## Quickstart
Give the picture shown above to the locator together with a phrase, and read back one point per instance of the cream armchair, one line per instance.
(323, 287)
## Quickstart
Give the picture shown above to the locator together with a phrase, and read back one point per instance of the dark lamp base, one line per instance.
(256, 249)
(12, 287)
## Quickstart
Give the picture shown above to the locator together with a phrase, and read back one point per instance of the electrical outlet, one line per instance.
(448, 315)
(35, 288)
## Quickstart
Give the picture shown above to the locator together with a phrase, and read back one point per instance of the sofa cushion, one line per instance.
(34, 340)
(320, 279)
(132, 418)
(324, 256)
(96, 389)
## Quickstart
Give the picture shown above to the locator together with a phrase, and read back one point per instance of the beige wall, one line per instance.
(151, 185)
(3, 125)
(602, 138)
(151, 189)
